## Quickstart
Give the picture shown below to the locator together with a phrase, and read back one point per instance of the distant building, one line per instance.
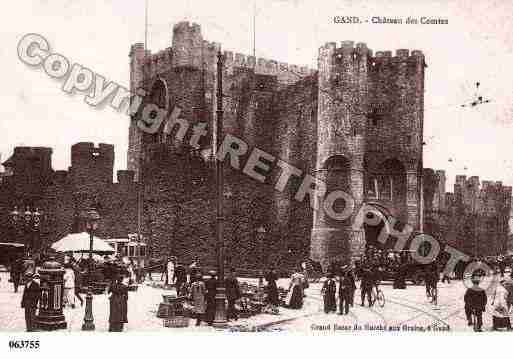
(474, 218)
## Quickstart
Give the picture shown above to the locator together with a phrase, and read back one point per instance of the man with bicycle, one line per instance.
(367, 284)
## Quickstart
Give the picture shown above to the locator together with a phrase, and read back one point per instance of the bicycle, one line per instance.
(432, 295)
(378, 296)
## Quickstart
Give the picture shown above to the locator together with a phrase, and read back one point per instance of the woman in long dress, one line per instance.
(501, 313)
(69, 286)
(295, 294)
(198, 293)
(328, 291)
(118, 305)
(272, 288)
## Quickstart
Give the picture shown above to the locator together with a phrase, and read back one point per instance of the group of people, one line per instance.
(346, 289)
(203, 294)
(24, 272)
(476, 301)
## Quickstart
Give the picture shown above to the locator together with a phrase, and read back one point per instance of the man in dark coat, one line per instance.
(328, 291)
(232, 294)
(368, 282)
(118, 305)
(179, 278)
(211, 285)
(346, 291)
(30, 300)
(16, 271)
(475, 303)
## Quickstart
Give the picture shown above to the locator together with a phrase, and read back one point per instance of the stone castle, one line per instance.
(356, 123)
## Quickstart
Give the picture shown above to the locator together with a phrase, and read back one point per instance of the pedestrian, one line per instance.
(346, 291)
(140, 271)
(272, 288)
(180, 279)
(366, 286)
(170, 270)
(16, 271)
(445, 274)
(108, 269)
(78, 275)
(131, 272)
(446, 277)
(30, 300)
(194, 269)
(295, 294)
(211, 285)
(502, 266)
(500, 314)
(69, 286)
(232, 294)
(118, 299)
(508, 285)
(198, 297)
(350, 274)
(328, 291)
(475, 303)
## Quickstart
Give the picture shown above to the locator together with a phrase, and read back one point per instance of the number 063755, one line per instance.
(24, 344)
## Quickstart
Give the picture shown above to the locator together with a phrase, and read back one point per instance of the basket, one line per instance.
(176, 322)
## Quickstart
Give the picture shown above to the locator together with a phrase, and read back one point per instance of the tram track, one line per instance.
(422, 312)
(420, 309)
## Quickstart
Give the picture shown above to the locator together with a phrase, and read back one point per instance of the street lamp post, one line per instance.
(15, 217)
(31, 223)
(220, 318)
(91, 217)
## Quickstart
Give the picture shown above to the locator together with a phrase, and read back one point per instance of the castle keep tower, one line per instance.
(369, 140)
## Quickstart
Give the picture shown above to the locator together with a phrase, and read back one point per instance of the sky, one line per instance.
(476, 46)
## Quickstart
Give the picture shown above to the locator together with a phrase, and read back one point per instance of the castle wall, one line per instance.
(356, 124)
(474, 218)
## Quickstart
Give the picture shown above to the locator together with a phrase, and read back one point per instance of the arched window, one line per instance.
(372, 187)
(158, 96)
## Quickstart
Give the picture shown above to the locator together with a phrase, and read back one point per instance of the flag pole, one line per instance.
(145, 26)
(254, 30)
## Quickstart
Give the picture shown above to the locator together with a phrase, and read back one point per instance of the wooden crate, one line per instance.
(176, 322)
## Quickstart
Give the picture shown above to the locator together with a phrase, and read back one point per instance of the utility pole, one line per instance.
(220, 319)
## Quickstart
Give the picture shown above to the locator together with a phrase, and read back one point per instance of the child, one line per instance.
(475, 303)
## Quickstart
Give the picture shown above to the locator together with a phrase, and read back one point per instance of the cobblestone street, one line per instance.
(406, 310)
(142, 309)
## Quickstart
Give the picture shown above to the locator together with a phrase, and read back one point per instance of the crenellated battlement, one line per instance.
(186, 26)
(283, 71)
(87, 151)
(401, 55)
(485, 197)
(91, 164)
(190, 49)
